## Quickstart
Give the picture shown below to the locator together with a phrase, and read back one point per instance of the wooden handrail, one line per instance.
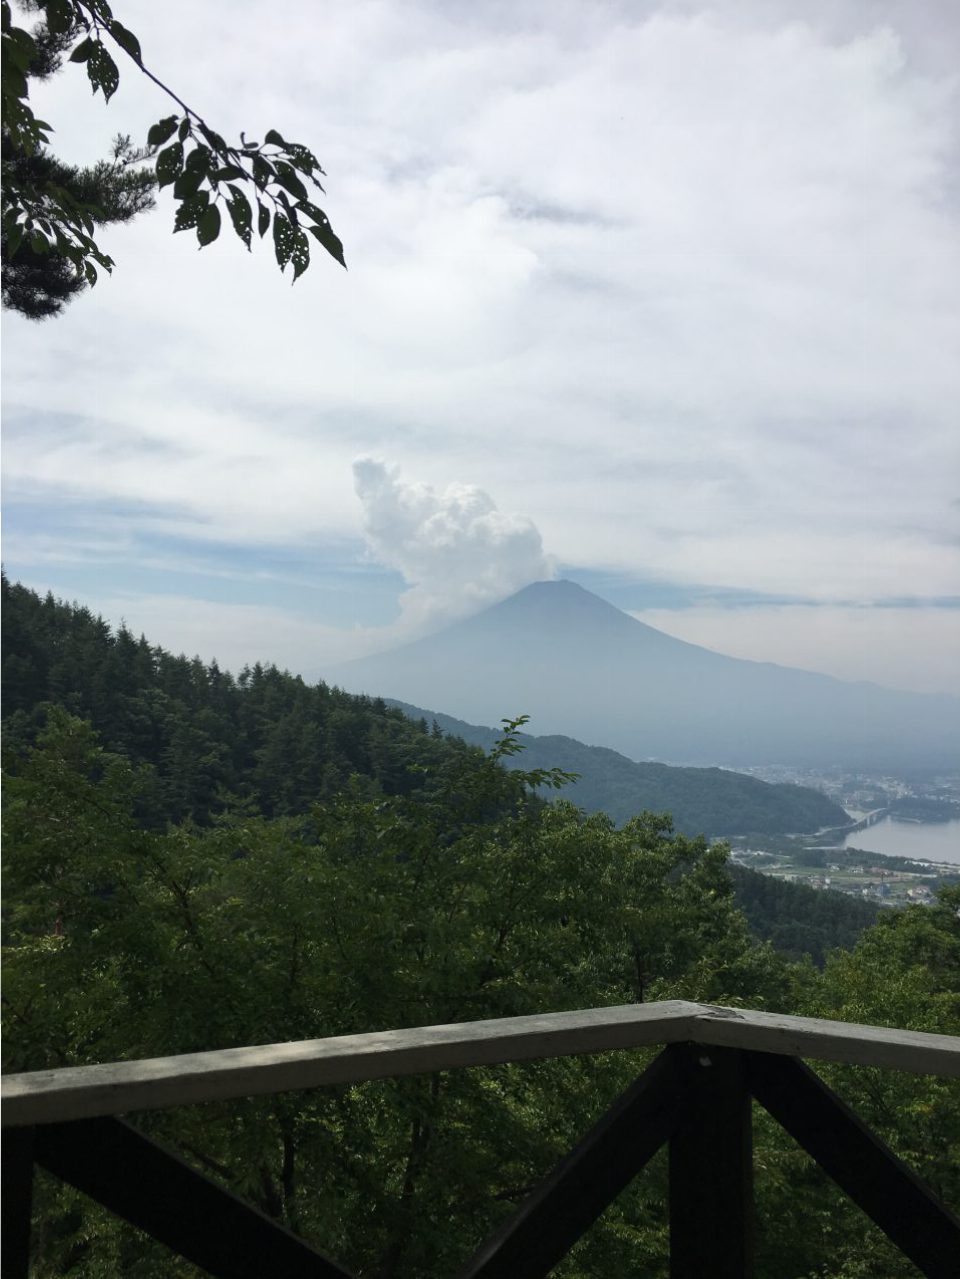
(51, 1096)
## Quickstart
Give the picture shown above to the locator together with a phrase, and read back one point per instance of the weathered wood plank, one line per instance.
(822, 1040)
(585, 1182)
(858, 1161)
(116, 1088)
(157, 1191)
(711, 1167)
(46, 1096)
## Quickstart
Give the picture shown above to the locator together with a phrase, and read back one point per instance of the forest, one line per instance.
(194, 860)
(715, 801)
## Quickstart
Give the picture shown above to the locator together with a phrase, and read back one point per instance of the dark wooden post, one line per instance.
(711, 1168)
(17, 1152)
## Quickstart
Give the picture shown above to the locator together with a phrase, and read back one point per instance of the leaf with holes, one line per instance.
(169, 164)
(263, 171)
(102, 71)
(240, 215)
(304, 159)
(300, 255)
(59, 15)
(189, 213)
(187, 184)
(200, 159)
(208, 225)
(283, 239)
(263, 219)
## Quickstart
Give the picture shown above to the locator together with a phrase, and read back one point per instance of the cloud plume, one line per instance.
(455, 549)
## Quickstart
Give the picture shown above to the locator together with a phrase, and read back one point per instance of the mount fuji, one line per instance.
(579, 666)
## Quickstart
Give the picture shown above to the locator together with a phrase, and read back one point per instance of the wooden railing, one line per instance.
(696, 1098)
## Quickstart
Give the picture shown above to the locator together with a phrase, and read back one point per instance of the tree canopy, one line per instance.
(51, 211)
(472, 900)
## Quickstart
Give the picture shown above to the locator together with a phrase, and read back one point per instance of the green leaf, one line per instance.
(162, 130)
(263, 219)
(39, 242)
(216, 142)
(169, 164)
(83, 50)
(229, 173)
(283, 239)
(272, 136)
(208, 225)
(323, 232)
(240, 215)
(263, 171)
(14, 237)
(21, 49)
(200, 159)
(187, 184)
(59, 15)
(289, 209)
(184, 130)
(287, 177)
(300, 256)
(304, 159)
(190, 211)
(102, 71)
(127, 41)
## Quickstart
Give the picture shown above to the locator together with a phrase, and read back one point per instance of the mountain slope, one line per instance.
(579, 666)
(265, 741)
(712, 801)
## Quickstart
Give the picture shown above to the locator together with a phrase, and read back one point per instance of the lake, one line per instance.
(925, 841)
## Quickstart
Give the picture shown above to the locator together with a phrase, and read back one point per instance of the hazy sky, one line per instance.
(659, 296)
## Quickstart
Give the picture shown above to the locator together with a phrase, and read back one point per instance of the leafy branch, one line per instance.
(510, 744)
(268, 184)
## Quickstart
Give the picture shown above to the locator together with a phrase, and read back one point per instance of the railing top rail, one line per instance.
(48, 1096)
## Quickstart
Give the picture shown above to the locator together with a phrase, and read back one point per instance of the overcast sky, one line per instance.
(662, 297)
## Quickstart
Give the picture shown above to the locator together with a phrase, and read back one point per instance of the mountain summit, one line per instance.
(579, 666)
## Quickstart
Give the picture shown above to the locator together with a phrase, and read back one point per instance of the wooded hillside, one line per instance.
(461, 895)
(263, 739)
(715, 801)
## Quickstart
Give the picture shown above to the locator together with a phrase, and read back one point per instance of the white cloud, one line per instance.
(678, 280)
(455, 549)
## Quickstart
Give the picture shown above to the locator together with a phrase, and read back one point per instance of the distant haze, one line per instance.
(579, 666)
(662, 292)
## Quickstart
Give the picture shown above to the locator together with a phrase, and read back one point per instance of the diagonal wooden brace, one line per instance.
(866, 1169)
(155, 1190)
(585, 1182)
